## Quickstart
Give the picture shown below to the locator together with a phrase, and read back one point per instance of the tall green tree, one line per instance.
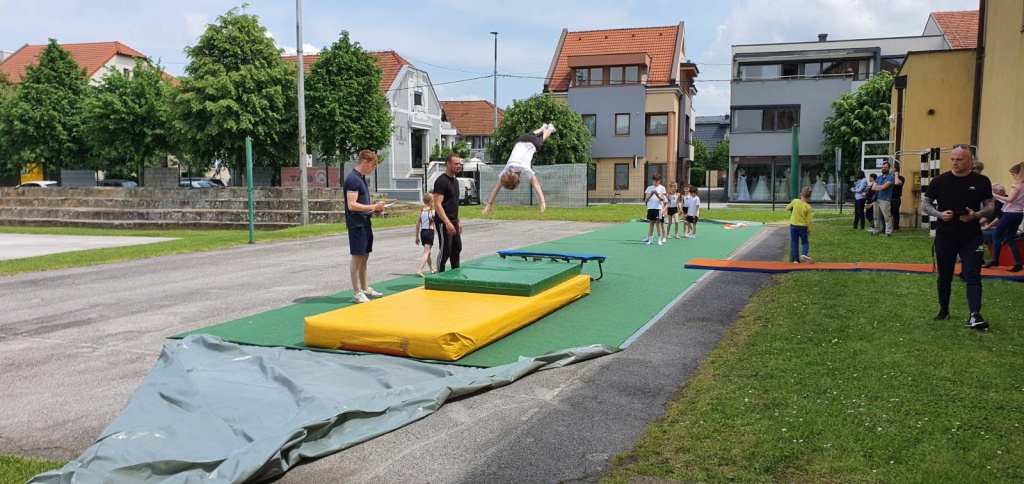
(859, 116)
(41, 122)
(719, 157)
(701, 155)
(346, 112)
(237, 85)
(460, 148)
(128, 120)
(571, 144)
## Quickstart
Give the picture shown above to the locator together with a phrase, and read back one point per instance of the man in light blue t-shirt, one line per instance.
(883, 202)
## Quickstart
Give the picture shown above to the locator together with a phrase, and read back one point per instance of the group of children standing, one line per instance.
(662, 205)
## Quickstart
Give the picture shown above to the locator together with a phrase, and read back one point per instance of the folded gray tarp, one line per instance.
(213, 411)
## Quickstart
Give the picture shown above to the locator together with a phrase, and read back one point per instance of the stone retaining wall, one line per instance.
(168, 208)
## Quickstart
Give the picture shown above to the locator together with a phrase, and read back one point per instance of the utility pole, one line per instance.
(495, 34)
(304, 187)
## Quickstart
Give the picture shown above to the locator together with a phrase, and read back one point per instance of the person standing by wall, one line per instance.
(446, 214)
(958, 193)
(358, 211)
(883, 200)
(897, 198)
(860, 199)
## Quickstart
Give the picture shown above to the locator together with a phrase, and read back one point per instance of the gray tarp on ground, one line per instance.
(213, 411)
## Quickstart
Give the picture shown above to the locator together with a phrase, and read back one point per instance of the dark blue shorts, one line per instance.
(360, 240)
(654, 214)
(672, 211)
(427, 236)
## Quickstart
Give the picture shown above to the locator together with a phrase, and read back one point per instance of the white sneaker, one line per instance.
(370, 292)
(647, 241)
(360, 298)
(805, 259)
(659, 242)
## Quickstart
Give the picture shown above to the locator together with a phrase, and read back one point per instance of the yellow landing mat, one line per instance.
(435, 325)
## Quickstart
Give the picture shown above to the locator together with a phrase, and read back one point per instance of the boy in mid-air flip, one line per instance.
(520, 164)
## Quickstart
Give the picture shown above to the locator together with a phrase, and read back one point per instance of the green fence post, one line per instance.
(248, 183)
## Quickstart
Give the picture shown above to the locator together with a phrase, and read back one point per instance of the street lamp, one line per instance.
(495, 34)
(303, 186)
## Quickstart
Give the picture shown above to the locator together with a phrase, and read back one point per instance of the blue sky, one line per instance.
(451, 40)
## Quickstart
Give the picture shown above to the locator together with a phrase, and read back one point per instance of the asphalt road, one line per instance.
(74, 345)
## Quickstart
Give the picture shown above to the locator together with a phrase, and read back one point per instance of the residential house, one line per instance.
(967, 94)
(712, 130)
(473, 122)
(417, 125)
(776, 86)
(95, 57)
(633, 88)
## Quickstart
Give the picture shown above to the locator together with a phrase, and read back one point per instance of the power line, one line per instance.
(443, 67)
(432, 84)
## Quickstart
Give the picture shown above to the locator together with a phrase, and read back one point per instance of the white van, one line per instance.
(469, 193)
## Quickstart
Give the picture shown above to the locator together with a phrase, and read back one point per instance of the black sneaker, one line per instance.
(977, 322)
(942, 316)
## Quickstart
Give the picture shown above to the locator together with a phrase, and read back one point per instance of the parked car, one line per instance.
(38, 184)
(195, 183)
(469, 194)
(116, 182)
(217, 182)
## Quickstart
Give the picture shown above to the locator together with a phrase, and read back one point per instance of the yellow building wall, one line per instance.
(606, 179)
(661, 102)
(1000, 127)
(936, 113)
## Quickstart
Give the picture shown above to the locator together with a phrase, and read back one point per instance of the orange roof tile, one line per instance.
(660, 43)
(959, 28)
(389, 61)
(91, 56)
(472, 117)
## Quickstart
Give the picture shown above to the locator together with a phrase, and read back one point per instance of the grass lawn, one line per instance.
(844, 377)
(17, 469)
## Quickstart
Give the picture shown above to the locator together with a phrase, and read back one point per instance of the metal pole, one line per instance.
(248, 184)
(303, 158)
(495, 34)
(794, 164)
(839, 187)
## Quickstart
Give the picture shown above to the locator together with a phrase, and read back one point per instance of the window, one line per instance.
(614, 75)
(596, 76)
(657, 124)
(621, 176)
(768, 119)
(417, 98)
(590, 122)
(656, 169)
(632, 74)
(582, 77)
(790, 69)
(622, 124)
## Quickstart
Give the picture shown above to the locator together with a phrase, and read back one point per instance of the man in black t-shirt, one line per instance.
(897, 198)
(958, 193)
(446, 213)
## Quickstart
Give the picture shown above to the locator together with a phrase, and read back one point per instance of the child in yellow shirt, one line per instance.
(800, 227)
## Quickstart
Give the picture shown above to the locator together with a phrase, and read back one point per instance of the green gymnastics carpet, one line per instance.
(639, 282)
